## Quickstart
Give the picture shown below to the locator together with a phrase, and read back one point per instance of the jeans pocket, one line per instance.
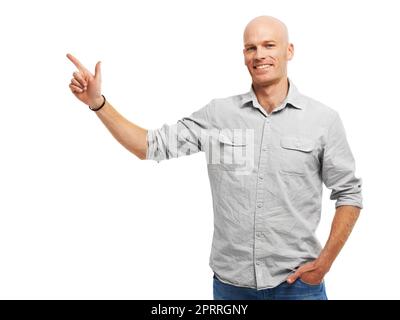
(310, 284)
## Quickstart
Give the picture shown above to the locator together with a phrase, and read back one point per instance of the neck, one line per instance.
(271, 95)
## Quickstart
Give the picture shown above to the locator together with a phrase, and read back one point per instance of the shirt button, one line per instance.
(260, 177)
(258, 263)
(258, 234)
(264, 149)
(259, 205)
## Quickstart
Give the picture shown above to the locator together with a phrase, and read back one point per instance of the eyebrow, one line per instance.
(265, 41)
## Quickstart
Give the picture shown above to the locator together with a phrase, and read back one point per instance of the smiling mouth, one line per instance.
(263, 66)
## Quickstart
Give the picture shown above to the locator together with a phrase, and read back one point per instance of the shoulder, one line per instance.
(319, 110)
(229, 101)
(318, 107)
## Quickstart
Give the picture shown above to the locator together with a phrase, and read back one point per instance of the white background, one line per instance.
(82, 218)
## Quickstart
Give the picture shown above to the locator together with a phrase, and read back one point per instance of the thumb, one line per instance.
(293, 277)
(97, 71)
(304, 268)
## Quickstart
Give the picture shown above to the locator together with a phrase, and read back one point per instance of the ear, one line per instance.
(290, 51)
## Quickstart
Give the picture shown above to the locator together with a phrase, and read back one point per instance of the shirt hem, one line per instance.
(250, 287)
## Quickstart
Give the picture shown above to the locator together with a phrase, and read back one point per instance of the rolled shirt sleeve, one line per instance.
(182, 138)
(338, 167)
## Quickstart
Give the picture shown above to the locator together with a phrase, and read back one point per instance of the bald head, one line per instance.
(266, 24)
(267, 50)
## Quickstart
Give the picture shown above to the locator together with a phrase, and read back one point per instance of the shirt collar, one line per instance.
(294, 98)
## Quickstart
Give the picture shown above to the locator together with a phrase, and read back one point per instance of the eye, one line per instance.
(250, 48)
(270, 45)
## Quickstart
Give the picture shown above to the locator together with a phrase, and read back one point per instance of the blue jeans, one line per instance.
(298, 290)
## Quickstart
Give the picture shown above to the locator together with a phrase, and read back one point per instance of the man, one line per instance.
(268, 152)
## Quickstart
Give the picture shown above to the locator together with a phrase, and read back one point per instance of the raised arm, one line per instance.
(87, 88)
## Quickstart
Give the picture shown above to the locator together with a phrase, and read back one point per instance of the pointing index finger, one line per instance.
(76, 62)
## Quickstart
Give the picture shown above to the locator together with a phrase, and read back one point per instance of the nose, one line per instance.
(260, 53)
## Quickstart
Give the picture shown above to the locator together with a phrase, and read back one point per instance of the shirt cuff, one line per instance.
(349, 203)
(151, 146)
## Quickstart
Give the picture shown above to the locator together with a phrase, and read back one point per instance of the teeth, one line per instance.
(264, 66)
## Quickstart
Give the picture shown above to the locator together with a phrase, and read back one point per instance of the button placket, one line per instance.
(260, 198)
(263, 164)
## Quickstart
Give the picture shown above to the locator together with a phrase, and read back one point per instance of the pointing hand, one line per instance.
(84, 85)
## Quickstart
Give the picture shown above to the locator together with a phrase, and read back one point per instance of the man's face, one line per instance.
(266, 52)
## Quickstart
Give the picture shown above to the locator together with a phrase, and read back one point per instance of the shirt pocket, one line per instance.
(232, 154)
(296, 155)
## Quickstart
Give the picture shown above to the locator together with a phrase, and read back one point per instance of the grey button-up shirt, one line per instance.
(266, 172)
